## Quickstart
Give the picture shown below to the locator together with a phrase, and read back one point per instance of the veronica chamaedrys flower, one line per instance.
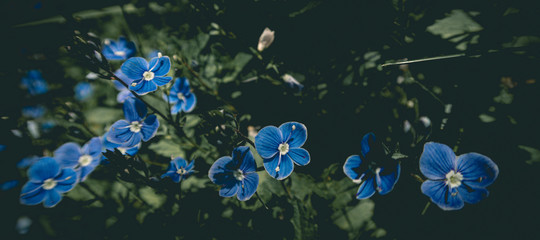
(136, 127)
(118, 50)
(236, 175)
(280, 147)
(83, 160)
(147, 76)
(33, 111)
(292, 82)
(455, 180)
(47, 180)
(83, 91)
(34, 82)
(181, 96)
(107, 145)
(372, 169)
(266, 38)
(179, 169)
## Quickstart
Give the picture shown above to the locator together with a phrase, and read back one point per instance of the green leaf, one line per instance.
(534, 153)
(486, 118)
(167, 148)
(103, 115)
(456, 23)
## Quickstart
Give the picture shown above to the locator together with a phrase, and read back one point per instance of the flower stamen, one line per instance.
(49, 184)
(85, 160)
(239, 175)
(453, 179)
(283, 148)
(135, 126)
(148, 75)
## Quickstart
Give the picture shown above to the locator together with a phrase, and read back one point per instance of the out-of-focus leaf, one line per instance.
(103, 115)
(456, 23)
(535, 154)
(167, 148)
(486, 118)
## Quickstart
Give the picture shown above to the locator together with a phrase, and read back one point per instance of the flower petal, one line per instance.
(66, 180)
(160, 81)
(351, 166)
(160, 66)
(245, 158)
(230, 190)
(472, 195)
(52, 198)
(181, 85)
(299, 156)
(446, 199)
(92, 147)
(68, 154)
(220, 172)
(134, 110)
(437, 160)
(30, 187)
(190, 101)
(267, 141)
(149, 127)
(134, 67)
(285, 169)
(180, 163)
(143, 87)
(367, 141)
(478, 170)
(387, 179)
(366, 189)
(248, 187)
(177, 107)
(33, 197)
(294, 133)
(121, 134)
(44, 169)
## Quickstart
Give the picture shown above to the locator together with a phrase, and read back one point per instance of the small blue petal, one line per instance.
(220, 173)
(8, 185)
(32, 197)
(385, 183)
(230, 190)
(120, 133)
(267, 141)
(299, 156)
(177, 107)
(366, 189)
(92, 147)
(446, 199)
(160, 66)
(351, 165)
(143, 87)
(190, 101)
(294, 133)
(248, 187)
(52, 197)
(124, 95)
(134, 110)
(33, 111)
(83, 91)
(477, 169)
(123, 78)
(160, 81)
(367, 142)
(68, 154)
(149, 127)
(134, 68)
(27, 161)
(44, 169)
(179, 163)
(472, 195)
(437, 160)
(243, 154)
(285, 163)
(66, 180)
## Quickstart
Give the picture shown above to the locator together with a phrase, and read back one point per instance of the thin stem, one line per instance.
(286, 189)
(430, 92)
(426, 59)
(260, 200)
(425, 208)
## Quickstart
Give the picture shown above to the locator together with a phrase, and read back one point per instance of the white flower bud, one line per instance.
(267, 37)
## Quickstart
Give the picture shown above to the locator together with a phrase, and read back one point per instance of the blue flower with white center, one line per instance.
(372, 169)
(147, 76)
(83, 91)
(83, 160)
(181, 96)
(33, 111)
(118, 50)
(47, 180)
(136, 127)
(179, 169)
(455, 180)
(280, 147)
(124, 92)
(35, 83)
(107, 145)
(236, 175)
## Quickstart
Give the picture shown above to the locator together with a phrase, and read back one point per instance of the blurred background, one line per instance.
(481, 95)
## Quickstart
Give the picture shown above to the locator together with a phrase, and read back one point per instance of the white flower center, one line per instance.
(122, 150)
(49, 184)
(120, 53)
(239, 175)
(182, 171)
(283, 148)
(84, 160)
(181, 96)
(148, 75)
(135, 126)
(453, 179)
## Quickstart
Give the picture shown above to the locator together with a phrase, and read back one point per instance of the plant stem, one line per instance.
(260, 200)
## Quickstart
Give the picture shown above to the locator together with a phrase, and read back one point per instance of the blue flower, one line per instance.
(8, 185)
(130, 131)
(236, 175)
(280, 147)
(83, 91)
(83, 160)
(108, 145)
(179, 169)
(35, 83)
(455, 180)
(46, 183)
(147, 76)
(124, 92)
(181, 96)
(372, 169)
(27, 161)
(118, 50)
(33, 111)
